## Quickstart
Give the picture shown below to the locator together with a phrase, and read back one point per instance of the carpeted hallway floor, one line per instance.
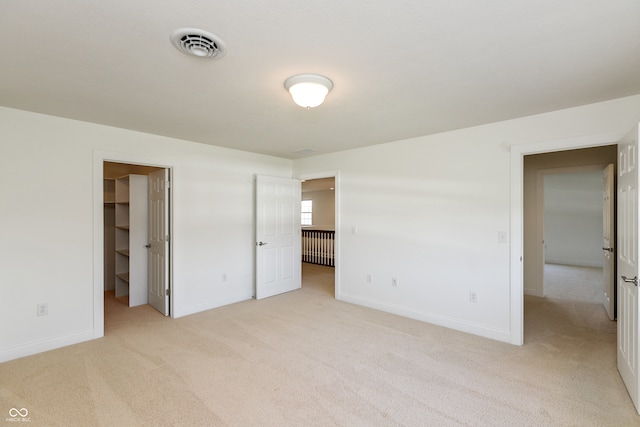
(573, 283)
(305, 359)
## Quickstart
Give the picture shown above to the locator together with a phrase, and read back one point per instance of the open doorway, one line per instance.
(573, 206)
(136, 236)
(563, 229)
(536, 167)
(622, 340)
(319, 240)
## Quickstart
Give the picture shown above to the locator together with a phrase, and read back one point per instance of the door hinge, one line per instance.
(168, 184)
(166, 238)
(167, 292)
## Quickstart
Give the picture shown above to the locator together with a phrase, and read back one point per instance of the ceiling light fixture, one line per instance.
(308, 90)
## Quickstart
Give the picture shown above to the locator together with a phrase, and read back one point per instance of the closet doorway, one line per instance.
(136, 235)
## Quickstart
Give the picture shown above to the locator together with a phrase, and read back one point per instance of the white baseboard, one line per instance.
(533, 292)
(36, 347)
(574, 262)
(210, 305)
(471, 328)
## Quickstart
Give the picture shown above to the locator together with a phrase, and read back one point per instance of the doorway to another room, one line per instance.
(563, 239)
(573, 221)
(136, 239)
(318, 222)
(564, 222)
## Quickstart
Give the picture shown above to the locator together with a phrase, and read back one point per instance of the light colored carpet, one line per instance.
(305, 359)
(573, 282)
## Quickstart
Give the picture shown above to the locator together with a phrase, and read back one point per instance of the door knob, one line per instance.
(261, 243)
(608, 249)
(147, 246)
(627, 280)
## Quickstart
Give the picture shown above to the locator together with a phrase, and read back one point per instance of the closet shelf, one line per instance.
(124, 252)
(122, 227)
(123, 276)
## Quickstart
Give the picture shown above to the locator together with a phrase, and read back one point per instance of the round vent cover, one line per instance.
(192, 41)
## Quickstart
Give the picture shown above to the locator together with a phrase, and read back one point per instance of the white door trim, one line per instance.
(99, 157)
(517, 212)
(336, 175)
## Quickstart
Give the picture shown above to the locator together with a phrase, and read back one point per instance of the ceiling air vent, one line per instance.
(192, 41)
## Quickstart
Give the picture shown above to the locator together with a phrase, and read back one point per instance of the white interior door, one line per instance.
(159, 240)
(628, 263)
(608, 242)
(278, 236)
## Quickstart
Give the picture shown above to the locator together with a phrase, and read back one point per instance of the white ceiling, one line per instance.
(401, 68)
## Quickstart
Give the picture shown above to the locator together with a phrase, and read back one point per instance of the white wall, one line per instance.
(323, 217)
(573, 219)
(47, 206)
(429, 211)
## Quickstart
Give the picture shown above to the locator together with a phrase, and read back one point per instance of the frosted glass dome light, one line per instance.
(308, 90)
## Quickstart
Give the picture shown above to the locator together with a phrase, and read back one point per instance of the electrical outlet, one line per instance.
(43, 309)
(473, 297)
(394, 282)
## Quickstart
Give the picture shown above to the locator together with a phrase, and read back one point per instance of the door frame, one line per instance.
(99, 157)
(336, 194)
(516, 268)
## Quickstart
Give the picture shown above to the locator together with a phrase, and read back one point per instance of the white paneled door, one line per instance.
(628, 263)
(278, 236)
(159, 240)
(608, 242)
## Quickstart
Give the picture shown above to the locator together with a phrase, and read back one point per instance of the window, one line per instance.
(306, 210)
